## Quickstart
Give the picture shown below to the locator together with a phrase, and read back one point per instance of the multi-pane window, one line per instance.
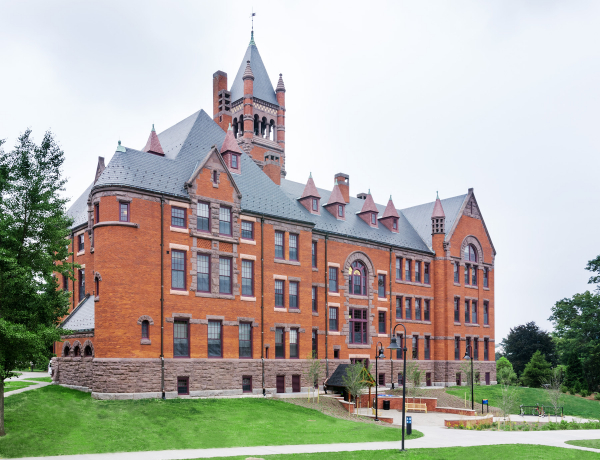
(457, 348)
(314, 298)
(471, 253)
(358, 325)
(315, 344)
(279, 245)
(183, 385)
(145, 329)
(333, 279)
(398, 268)
(245, 333)
(203, 220)
(224, 221)
(456, 310)
(81, 241)
(279, 343)
(467, 274)
(247, 230)
(246, 382)
(476, 349)
(225, 275)
(474, 311)
(203, 276)
(248, 278)
(399, 351)
(418, 309)
(181, 340)
(293, 247)
(486, 344)
(315, 204)
(415, 347)
(456, 279)
(177, 269)
(358, 279)
(279, 293)
(407, 274)
(486, 312)
(234, 162)
(373, 219)
(124, 212)
(65, 279)
(381, 316)
(314, 254)
(333, 318)
(81, 284)
(485, 277)
(177, 217)
(426, 273)
(408, 309)
(340, 210)
(427, 347)
(467, 312)
(381, 376)
(398, 307)
(381, 286)
(293, 292)
(474, 275)
(426, 314)
(215, 348)
(417, 272)
(293, 343)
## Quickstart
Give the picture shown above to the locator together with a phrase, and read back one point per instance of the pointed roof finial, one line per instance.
(437, 195)
(230, 128)
(248, 72)
(252, 43)
(438, 210)
(280, 85)
(310, 189)
(310, 175)
(153, 127)
(153, 144)
(120, 148)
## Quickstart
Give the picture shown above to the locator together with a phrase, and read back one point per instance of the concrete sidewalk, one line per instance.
(434, 437)
(23, 377)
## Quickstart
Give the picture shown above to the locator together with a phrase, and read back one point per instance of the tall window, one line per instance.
(474, 311)
(467, 274)
(456, 310)
(124, 212)
(358, 325)
(399, 351)
(248, 278)
(245, 340)
(426, 274)
(97, 286)
(398, 307)
(333, 319)
(486, 308)
(456, 279)
(177, 217)
(293, 343)
(81, 284)
(474, 275)
(279, 245)
(381, 316)
(470, 253)
(358, 279)
(408, 309)
(486, 343)
(417, 272)
(279, 343)
(467, 312)
(340, 210)
(468, 348)
(293, 292)
(181, 340)
(415, 347)
(279, 293)
(81, 241)
(65, 279)
(418, 309)
(427, 347)
(314, 254)
(333, 279)
(225, 275)
(426, 315)
(457, 348)
(314, 299)
(247, 384)
(407, 274)
(97, 212)
(398, 268)
(476, 349)
(234, 162)
(177, 269)
(315, 204)
(215, 348)
(315, 344)
(485, 277)
(203, 273)
(293, 247)
(247, 230)
(381, 286)
(224, 221)
(373, 219)
(145, 329)
(203, 221)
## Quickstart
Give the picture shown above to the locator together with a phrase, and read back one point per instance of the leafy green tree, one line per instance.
(504, 372)
(536, 371)
(33, 229)
(523, 341)
(503, 363)
(575, 377)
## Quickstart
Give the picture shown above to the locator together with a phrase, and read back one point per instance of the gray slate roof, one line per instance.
(82, 318)
(263, 89)
(79, 209)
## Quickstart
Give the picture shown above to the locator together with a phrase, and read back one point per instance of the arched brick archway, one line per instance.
(362, 257)
(88, 346)
(470, 239)
(66, 349)
(77, 350)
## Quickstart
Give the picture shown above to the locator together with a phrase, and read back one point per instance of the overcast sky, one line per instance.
(406, 97)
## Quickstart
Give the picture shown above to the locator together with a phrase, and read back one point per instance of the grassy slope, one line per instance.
(574, 405)
(41, 379)
(36, 420)
(509, 451)
(592, 443)
(15, 385)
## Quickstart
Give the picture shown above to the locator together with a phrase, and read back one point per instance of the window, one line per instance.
(203, 275)
(224, 275)
(398, 307)
(246, 382)
(315, 344)
(224, 221)
(124, 212)
(248, 278)
(381, 379)
(203, 221)
(381, 315)
(486, 312)
(399, 351)
(418, 309)
(87, 351)
(474, 311)
(408, 309)
(279, 343)
(177, 217)
(358, 325)
(279, 245)
(97, 286)
(417, 272)
(145, 329)
(381, 286)
(485, 278)
(245, 334)
(65, 280)
(427, 347)
(215, 348)
(398, 268)
(456, 310)
(407, 274)
(426, 274)
(293, 343)
(315, 204)
(467, 312)
(474, 276)
(81, 240)
(97, 212)
(415, 347)
(293, 247)
(340, 210)
(486, 343)
(456, 279)
(458, 379)
(279, 293)
(314, 254)
(466, 275)
(333, 318)
(457, 348)
(177, 270)
(336, 354)
(476, 349)
(470, 253)
(81, 284)
(234, 161)
(293, 293)
(247, 230)
(183, 385)
(333, 279)
(314, 299)
(215, 177)
(373, 218)
(358, 279)
(468, 348)
(426, 315)
(181, 340)
(395, 224)
(400, 379)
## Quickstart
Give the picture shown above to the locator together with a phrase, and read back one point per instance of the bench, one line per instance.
(416, 407)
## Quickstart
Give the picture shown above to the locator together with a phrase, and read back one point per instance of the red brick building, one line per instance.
(205, 271)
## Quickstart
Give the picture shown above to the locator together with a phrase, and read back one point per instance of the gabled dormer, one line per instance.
(231, 153)
(153, 144)
(369, 211)
(390, 217)
(336, 204)
(310, 198)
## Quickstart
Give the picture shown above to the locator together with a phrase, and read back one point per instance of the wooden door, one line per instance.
(296, 383)
(487, 378)
(281, 384)
(428, 378)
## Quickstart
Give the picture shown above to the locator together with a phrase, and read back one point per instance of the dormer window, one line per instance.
(340, 210)
(395, 224)
(234, 162)
(373, 219)
(315, 204)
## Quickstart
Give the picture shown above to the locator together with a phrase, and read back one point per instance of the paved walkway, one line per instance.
(24, 376)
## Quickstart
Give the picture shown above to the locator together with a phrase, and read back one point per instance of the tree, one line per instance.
(536, 371)
(313, 369)
(508, 393)
(552, 384)
(413, 378)
(356, 379)
(575, 377)
(523, 341)
(33, 229)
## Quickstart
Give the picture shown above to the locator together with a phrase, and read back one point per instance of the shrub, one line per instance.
(536, 371)
(597, 396)
(584, 393)
(563, 388)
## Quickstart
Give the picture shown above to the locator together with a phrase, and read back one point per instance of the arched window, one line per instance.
(66, 351)
(358, 278)
(76, 351)
(87, 351)
(470, 253)
(145, 329)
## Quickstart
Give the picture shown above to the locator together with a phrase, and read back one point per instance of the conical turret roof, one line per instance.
(390, 210)
(336, 196)
(310, 189)
(248, 72)
(438, 210)
(280, 85)
(230, 144)
(369, 205)
(153, 144)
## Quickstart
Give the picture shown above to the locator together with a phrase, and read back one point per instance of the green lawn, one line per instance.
(58, 421)
(508, 451)
(41, 379)
(15, 385)
(592, 443)
(574, 405)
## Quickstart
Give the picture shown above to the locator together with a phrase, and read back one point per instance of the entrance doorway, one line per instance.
(296, 383)
(281, 384)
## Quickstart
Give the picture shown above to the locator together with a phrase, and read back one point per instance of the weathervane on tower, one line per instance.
(252, 16)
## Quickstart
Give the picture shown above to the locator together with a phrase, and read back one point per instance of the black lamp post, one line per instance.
(377, 356)
(467, 356)
(394, 346)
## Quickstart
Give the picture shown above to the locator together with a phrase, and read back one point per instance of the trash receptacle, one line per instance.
(386, 404)
(408, 425)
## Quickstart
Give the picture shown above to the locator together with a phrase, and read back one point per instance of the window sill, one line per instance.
(115, 223)
(352, 345)
(486, 325)
(314, 269)
(470, 286)
(315, 313)
(382, 335)
(415, 321)
(286, 262)
(80, 253)
(382, 299)
(252, 242)
(457, 284)
(145, 342)
(413, 283)
(177, 292)
(281, 309)
(294, 310)
(214, 237)
(334, 294)
(247, 299)
(97, 298)
(457, 324)
(472, 325)
(179, 230)
(210, 295)
(333, 333)
(486, 288)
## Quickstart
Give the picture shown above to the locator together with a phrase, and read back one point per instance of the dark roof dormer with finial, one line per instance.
(153, 144)
(438, 218)
(390, 217)
(369, 211)
(231, 152)
(310, 198)
(336, 204)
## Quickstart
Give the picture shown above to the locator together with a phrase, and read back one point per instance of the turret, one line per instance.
(369, 211)
(336, 204)
(248, 79)
(153, 144)
(438, 218)
(310, 198)
(390, 217)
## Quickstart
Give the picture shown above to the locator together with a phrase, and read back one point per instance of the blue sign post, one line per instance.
(485, 402)
(408, 424)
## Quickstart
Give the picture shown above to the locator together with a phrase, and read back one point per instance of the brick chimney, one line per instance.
(221, 100)
(343, 181)
(272, 167)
